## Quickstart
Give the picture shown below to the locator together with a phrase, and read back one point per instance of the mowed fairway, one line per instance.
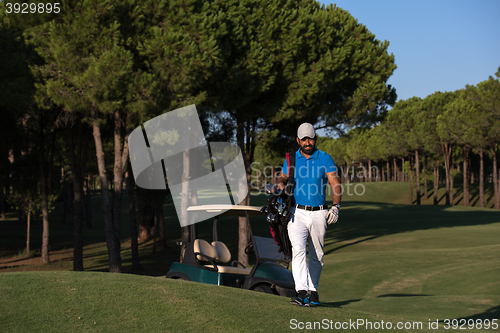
(384, 263)
(101, 302)
(420, 263)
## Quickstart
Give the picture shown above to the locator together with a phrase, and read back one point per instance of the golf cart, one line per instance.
(211, 262)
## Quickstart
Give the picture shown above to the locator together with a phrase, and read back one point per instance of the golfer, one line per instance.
(314, 169)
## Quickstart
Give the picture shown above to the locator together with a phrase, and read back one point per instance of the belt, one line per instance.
(312, 209)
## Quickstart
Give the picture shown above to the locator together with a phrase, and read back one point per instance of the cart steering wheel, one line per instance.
(249, 248)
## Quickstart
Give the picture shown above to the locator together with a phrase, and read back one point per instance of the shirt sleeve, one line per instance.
(285, 168)
(330, 164)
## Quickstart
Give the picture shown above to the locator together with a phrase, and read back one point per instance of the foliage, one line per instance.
(26, 193)
(442, 127)
(484, 101)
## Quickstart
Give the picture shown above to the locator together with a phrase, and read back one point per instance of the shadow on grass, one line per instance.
(360, 222)
(443, 198)
(490, 314)
(403, 295)
(349, 244)
(10, 267)
(339, 304)
(458, 192)
(14, 260)
(364, 221)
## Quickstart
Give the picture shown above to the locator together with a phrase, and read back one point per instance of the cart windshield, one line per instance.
(267, 249)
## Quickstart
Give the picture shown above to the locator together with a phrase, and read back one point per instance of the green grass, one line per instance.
(384, 261)
(103, 302)
(415, 262)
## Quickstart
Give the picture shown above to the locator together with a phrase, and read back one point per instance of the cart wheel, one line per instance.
(263, 289)
(178, 276)
(181, 278)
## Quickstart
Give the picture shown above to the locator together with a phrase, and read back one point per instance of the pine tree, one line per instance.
(285, 62)
(22, 100)
(90, 69)
(486, 96)
(402, 124)
(434, 105)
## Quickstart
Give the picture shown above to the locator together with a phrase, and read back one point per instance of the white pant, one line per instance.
(304, 226)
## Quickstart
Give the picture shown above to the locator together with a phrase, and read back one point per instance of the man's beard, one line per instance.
(308, 149)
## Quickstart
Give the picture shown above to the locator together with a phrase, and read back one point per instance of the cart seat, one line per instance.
(211, 253)
(224, 257)
(223, 253)
(204, 250)
(234, 270)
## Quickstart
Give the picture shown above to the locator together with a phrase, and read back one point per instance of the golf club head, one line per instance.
(270, 188)
(281, 207)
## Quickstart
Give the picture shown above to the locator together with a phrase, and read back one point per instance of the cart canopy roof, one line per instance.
(226, 210)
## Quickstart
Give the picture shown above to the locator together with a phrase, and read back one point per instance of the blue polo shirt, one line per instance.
(310, 178)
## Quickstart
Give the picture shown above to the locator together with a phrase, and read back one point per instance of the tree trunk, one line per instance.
(388, 166)
(88, 203)
(85, 178)
(452, 169)
(364, 176)
(121, 157)
(403, 176)
(343, 173)
(412, 178)
(425, 177)
(395, 174)
(28, 231)
(382, 173)
(163, 238)
(497, 200)
(481, 178)
(369, 171)
(242, 221)
(45, 196)
(2, 201)
(115, 262)
(465, 151)
(447, 156)
(77, 199)
(83, 145)
(66, 195)
(134, 245)
(159, 227)
(436, 181)
(146, 216)
(495, 181)
(184, 239)
(417, 165)
(155, 234)
(184, 204)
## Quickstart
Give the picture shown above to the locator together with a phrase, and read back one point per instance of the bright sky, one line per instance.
(439, 45)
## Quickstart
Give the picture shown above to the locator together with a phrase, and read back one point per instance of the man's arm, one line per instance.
(334, 181)
(333, 214)
(281, 181)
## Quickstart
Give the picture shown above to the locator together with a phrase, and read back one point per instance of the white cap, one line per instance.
(304, 130)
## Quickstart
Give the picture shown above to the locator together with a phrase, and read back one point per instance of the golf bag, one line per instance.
(278, 209)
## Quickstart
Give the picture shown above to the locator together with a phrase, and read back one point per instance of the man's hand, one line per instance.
(333, 215)
(281, 181)
(280, 186)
